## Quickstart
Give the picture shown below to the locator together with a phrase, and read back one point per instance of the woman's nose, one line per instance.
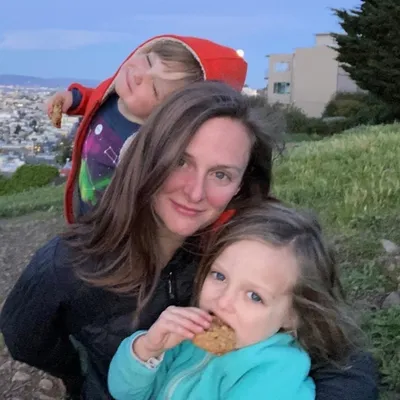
(195, 187)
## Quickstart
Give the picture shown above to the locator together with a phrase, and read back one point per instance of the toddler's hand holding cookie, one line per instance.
(218, 339)
(173, 326)
(57, 105)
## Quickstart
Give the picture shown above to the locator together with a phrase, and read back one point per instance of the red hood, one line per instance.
(218, 62)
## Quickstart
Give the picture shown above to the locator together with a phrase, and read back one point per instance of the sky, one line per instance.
(90, 38)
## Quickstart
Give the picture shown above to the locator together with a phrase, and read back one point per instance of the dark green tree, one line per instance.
(64, 150)
(369, 48)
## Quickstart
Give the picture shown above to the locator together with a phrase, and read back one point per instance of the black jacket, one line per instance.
(52, 321)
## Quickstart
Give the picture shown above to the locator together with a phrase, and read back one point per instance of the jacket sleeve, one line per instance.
(357, 381)
(282, 376)
(86, 93)
(129, 378)
(32, 319)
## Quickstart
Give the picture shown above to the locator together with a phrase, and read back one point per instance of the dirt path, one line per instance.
(19, 239)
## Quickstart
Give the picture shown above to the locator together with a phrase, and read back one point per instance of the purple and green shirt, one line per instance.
(107, 133)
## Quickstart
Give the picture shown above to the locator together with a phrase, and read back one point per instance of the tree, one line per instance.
(64, 150)
(34, 125)
(17, 129)
(369, 50)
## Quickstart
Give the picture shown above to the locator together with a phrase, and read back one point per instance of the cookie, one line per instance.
(56, 114)
(219, 339)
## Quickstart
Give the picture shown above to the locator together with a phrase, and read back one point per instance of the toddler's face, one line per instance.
(142, 82)
(250, 288)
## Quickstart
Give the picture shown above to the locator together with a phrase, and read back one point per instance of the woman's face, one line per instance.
(207, 177)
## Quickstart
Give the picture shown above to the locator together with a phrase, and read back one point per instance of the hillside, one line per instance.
(33, 81)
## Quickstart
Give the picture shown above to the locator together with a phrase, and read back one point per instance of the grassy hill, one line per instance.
(352, 181)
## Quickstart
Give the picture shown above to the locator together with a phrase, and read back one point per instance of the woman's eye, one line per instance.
(181, 162)
(218, 276)
(254, 297)
(221, 175)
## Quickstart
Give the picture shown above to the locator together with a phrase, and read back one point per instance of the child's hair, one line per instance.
(178, 60)
(325, 329)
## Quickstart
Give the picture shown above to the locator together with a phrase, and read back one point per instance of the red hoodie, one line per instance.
(217, 62)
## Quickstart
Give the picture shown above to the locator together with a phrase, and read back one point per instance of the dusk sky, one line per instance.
(89, 38)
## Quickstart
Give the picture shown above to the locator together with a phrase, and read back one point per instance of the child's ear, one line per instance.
(291, 321)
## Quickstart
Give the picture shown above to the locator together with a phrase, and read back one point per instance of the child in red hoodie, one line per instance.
(113, 112)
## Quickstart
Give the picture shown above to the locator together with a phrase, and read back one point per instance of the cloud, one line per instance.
(58, 39)
(240, 24)
(223, 26)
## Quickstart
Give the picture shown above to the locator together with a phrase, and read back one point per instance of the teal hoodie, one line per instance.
(274, 369)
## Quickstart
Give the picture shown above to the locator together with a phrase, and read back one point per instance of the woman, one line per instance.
(199, 155)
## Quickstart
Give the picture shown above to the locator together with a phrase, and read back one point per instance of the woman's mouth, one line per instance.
(187, 211)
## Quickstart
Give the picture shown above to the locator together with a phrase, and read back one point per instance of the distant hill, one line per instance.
(34, 81)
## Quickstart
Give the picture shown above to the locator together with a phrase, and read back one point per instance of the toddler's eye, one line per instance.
(218, 276)
(254, 297)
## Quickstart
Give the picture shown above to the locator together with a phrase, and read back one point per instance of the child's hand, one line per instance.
(65, 97)
(173, 326)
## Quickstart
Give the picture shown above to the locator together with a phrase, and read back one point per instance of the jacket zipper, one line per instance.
(184, 374)
(171, 287)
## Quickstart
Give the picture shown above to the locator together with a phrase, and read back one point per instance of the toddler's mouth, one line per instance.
(219, 320)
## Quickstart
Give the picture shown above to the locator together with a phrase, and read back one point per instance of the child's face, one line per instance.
(135, 85)
(250, 288)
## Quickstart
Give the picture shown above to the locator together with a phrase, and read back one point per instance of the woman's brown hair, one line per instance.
(325, 328)
(120, 234)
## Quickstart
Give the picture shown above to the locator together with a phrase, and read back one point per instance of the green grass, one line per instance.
(41, 199)
(301, 137)
(352, 181)
(348, 178)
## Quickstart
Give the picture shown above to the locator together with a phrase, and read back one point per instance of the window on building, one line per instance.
(281, 66)
(282, 87)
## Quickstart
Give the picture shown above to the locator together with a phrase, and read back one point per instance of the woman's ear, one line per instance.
(238, 189)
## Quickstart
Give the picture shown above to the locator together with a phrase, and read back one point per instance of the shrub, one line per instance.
(360, 109)
(296, 120)
(344, 104)
(280, 118)
(27, 177)
(272, 116)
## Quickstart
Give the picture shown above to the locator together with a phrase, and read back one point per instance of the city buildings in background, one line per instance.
(309, 77)
(26, 133)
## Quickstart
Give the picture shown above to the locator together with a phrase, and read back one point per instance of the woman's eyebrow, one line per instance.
(221, 166)
(225, 166)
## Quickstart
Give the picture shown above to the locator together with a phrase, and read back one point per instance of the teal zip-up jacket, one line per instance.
(274, 369)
